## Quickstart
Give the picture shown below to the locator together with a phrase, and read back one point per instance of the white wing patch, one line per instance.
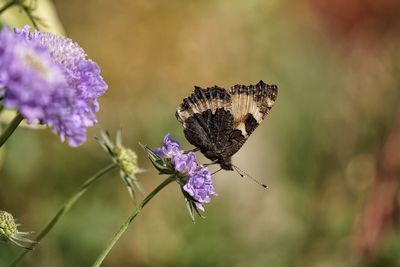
(256, 100)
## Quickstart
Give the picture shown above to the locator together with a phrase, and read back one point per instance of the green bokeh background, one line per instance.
(321, 149)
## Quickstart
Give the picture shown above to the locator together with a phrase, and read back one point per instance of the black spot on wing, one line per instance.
(250, 123)
(236, 139)
(236, 135)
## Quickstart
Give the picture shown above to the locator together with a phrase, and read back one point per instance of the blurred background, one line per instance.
(329, 150)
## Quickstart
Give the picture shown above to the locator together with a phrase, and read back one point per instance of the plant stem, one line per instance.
(24, 7)
(30, 16)
(134, 213)
(67, 206)
(10, 129)
(7, 6)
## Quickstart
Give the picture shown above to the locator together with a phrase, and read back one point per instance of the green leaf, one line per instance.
(159, 163)
(118, 138)
(137, 184)
(129, 186)
(189, 207)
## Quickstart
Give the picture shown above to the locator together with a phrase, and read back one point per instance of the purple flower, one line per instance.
(198, 180)
(48, 78)
(29, 75)
(169, 149)
(184, 163)
(200, 186)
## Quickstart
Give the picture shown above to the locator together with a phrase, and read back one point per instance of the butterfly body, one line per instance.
(219, 121)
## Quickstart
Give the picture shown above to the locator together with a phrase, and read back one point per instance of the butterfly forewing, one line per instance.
(250, 105)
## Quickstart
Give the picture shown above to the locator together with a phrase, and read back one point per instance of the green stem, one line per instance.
(7, 6)
(10, 129)
(67, 206)
(135, 212)
(30, 16)
(24, 7)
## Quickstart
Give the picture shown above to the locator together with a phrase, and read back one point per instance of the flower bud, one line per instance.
(9, 231)
(126, 160)
(8, 228)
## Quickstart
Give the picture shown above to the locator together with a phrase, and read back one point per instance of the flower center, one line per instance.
(34, 62)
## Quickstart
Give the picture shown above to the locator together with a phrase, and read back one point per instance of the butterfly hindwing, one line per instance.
(208, 132)
(207, 118)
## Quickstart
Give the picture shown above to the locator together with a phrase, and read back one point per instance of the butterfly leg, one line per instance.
(191, 150)
(211, 163)
(216, 171)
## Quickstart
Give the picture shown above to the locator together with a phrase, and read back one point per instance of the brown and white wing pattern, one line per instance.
(218, 122)
(207, 119)
(250, 105)
(203, 99)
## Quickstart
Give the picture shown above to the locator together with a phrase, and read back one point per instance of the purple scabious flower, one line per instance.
(82, 74)
(169, 149)
(197, 180)
(28, 75)
(184, 162)
(48, 78)
(200, 186)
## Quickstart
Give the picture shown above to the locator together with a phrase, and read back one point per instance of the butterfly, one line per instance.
(218, 121)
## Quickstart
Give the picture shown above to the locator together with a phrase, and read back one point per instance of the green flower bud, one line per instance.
(126, 160)
(9, 231)
(8, 227)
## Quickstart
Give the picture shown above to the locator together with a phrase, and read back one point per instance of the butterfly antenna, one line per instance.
(243, 174)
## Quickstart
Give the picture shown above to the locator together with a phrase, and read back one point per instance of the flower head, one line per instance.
(169, 149)
(9, 230)
(126, 159)
(8, 227)
(184, 163)
(200, 186)
(47, 78)
(29, 74)
(195, 179)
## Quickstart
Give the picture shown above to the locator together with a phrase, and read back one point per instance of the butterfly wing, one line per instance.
(207, 120)
(250, 105)
(218, 122)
